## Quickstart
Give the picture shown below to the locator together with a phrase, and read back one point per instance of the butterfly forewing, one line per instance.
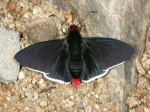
(49, 58)
(101, 54)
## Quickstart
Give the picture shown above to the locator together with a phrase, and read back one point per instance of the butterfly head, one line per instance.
(73, 28)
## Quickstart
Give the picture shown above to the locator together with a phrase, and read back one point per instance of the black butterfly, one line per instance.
(74, 58)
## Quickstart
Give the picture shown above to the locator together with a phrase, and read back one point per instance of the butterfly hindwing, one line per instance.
(101, 54)
(49, 58)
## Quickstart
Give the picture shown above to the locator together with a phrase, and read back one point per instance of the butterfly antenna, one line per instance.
(73, 17)
(53, 15)
(91, 12)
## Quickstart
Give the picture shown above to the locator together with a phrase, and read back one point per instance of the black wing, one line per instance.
(102, 54)
(49, 58)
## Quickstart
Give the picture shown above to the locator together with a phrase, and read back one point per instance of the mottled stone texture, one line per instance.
(126, 20)
(41, 30)
(9, 45)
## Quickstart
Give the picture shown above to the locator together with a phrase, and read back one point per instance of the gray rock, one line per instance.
(41, 30)
(123, 20)
(9, 45)
(81, 106)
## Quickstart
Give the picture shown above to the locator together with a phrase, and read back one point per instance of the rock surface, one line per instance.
(9, 45)
(41, 30)
(123, 20)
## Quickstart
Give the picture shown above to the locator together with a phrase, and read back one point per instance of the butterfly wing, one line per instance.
(49, 58)
(102, 54)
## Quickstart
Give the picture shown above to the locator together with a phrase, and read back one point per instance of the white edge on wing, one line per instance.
(52, 79)
(101, 75)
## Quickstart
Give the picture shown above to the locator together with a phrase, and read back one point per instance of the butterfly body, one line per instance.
(75, 58)
(74, 47)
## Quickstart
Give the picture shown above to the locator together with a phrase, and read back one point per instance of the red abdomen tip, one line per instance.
(75, 82)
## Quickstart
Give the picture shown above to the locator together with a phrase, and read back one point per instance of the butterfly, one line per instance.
(75, 58)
